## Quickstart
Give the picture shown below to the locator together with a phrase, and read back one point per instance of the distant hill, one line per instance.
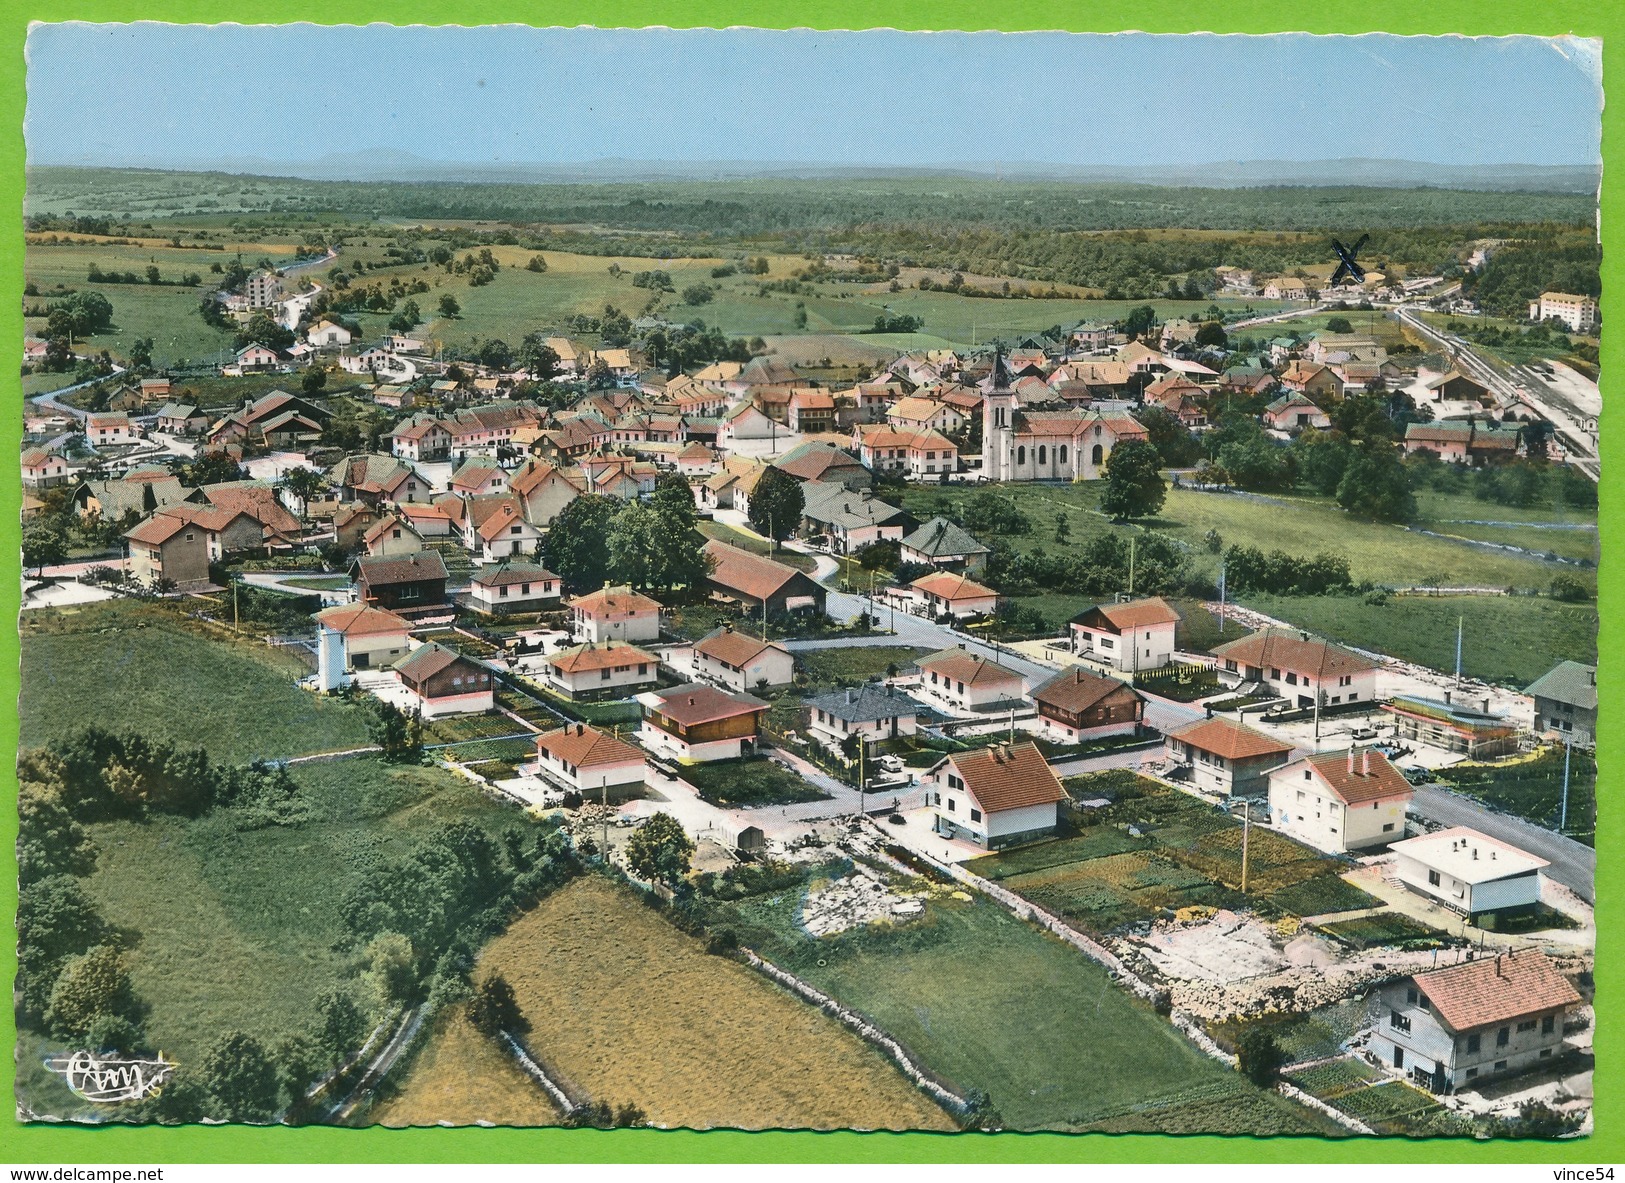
(392, 165)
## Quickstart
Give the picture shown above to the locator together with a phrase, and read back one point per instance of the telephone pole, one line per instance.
(1563, 815)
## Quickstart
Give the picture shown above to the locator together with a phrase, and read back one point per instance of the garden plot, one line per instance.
(857, 899)
(1225, 948)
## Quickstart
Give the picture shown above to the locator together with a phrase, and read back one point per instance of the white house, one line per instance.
(1138, 635)
(995, 796)
(872, 710)
(1297, 666)
(742, 662)
(586, 760)
(615, 614)
(112, 428)
(1469, 872)
(613, 666)
(1455, 1027)
(968, 682)
(325, 334)
(945, 593)
(358, 637)
(513, 587)
(1340, 801)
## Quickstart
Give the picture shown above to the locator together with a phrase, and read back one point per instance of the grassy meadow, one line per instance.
(460, 1076)
(986, 1001)
(123, 664)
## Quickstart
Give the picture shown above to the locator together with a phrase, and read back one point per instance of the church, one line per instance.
(1031, 444)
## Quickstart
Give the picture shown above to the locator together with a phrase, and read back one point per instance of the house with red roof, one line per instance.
(595, 669)
(947, 593)
(441, 681)
(1128, 637)
(969, 682)
(740, 661)
(365, 638)
(615, 614)
(585, 760)
(995, 797)
(1299, 667)
(1457, 1027)
(43, 468)
(696, 723)
(1077, 705)
(1340, 801)
(1227, 757)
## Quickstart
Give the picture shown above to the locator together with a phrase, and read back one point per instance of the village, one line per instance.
(800, 665)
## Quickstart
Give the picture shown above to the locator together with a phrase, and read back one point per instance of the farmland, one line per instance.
(122, 664)
(1102, 877)
(462, 1077)
(987, 1002)
(755, 780)
(625, 1008)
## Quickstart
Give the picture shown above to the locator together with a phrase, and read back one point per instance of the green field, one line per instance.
(849, 665)
(1384, 329)
(1533, 789)
(120, 664)
(239, 928)
(1508, 640)
(987, 1001)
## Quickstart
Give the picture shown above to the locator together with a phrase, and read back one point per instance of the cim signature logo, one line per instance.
(111, 1080)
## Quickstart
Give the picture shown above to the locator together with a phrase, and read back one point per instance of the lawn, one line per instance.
(1378, 325)
(722, 532)
(852, 665)
(1102, 877)
(239, 929)
(1508, 640)
(626, 1008)
(754, 780)
(460, 1077)
(318, 582)
(121, 664)
(988, 1002)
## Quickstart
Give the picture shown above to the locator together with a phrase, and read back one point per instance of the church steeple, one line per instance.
(1001, 372)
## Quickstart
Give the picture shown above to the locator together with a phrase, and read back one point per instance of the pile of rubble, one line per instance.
(861, 897)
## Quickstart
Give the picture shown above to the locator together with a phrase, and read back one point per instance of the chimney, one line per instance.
(849, 696)
(1351, 761)
(1365, 763)
(1475, 854)
(1304, 637)
(1486, 705)
(1447, 698)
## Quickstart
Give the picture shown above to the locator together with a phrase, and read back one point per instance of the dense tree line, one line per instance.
(1519, 273)
(651, 546)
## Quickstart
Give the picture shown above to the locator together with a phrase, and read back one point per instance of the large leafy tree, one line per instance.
(1376, 485)
(577, 543)
(1134, 484)
(776, 505)
(92, 986)
(240, 1079)
(539, 359)
(660, 851)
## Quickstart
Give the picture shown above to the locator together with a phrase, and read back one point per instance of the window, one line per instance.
(1096, 455)
(1500, 1065)
(1545, 1052)
(1472, 1072)
(1473, 1042)
(1547, 1024)
(502, 591)
(1433, 878)
(1021, 454)
(1502, 1036)
(1411, 995)
(1388, 827)
(954, 782)
(603, 675)
(951, 805)
(1398, 1021)
(976, 815)
(1043, 454)
(1060, 454)
(1526, 1025)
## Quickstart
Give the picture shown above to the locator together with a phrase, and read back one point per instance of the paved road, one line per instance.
(1573, 865)
(52, 399)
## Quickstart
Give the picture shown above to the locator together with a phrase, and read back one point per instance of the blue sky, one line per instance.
(150, 93)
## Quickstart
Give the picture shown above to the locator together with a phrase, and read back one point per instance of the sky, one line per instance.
(182, 95)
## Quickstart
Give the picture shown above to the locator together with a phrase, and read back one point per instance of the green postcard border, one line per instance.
(44, 1144)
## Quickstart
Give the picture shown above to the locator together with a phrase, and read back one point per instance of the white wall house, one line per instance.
(615, 614)
(994, 797)
(967, 682)
(1469, 872)
(610, 667)
(588, 761)
(873, 711)
(1340, 801)
(1138, 635)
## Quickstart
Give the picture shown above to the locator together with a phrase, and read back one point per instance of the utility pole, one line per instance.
(1320, 695)
(1131, 565)
(1459, 622)
(234, 617)
(1563, 814)
(862, 751)
(1221, 599)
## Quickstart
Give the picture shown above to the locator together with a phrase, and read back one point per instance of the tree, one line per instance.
(1212, 333)
(1376, 485)
(576, 547)
(400, 735)
(307, 484)
(211, 468)
(141, 353)
(92, 985)
(539, 359)
(313, 380)
(537, 264)
(1339, 324)
(153, 274)
(449, 307)
(263, 329)
(1569, 590)
(776, 504)
(391, 974)
(1258, 1055)
(1134, 484)
(341, 1027)
(240, 1078)
(494, 1009)
(660, 851)
(408, 318)
(45, 543)
(1176, 444)
(1140, 321)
